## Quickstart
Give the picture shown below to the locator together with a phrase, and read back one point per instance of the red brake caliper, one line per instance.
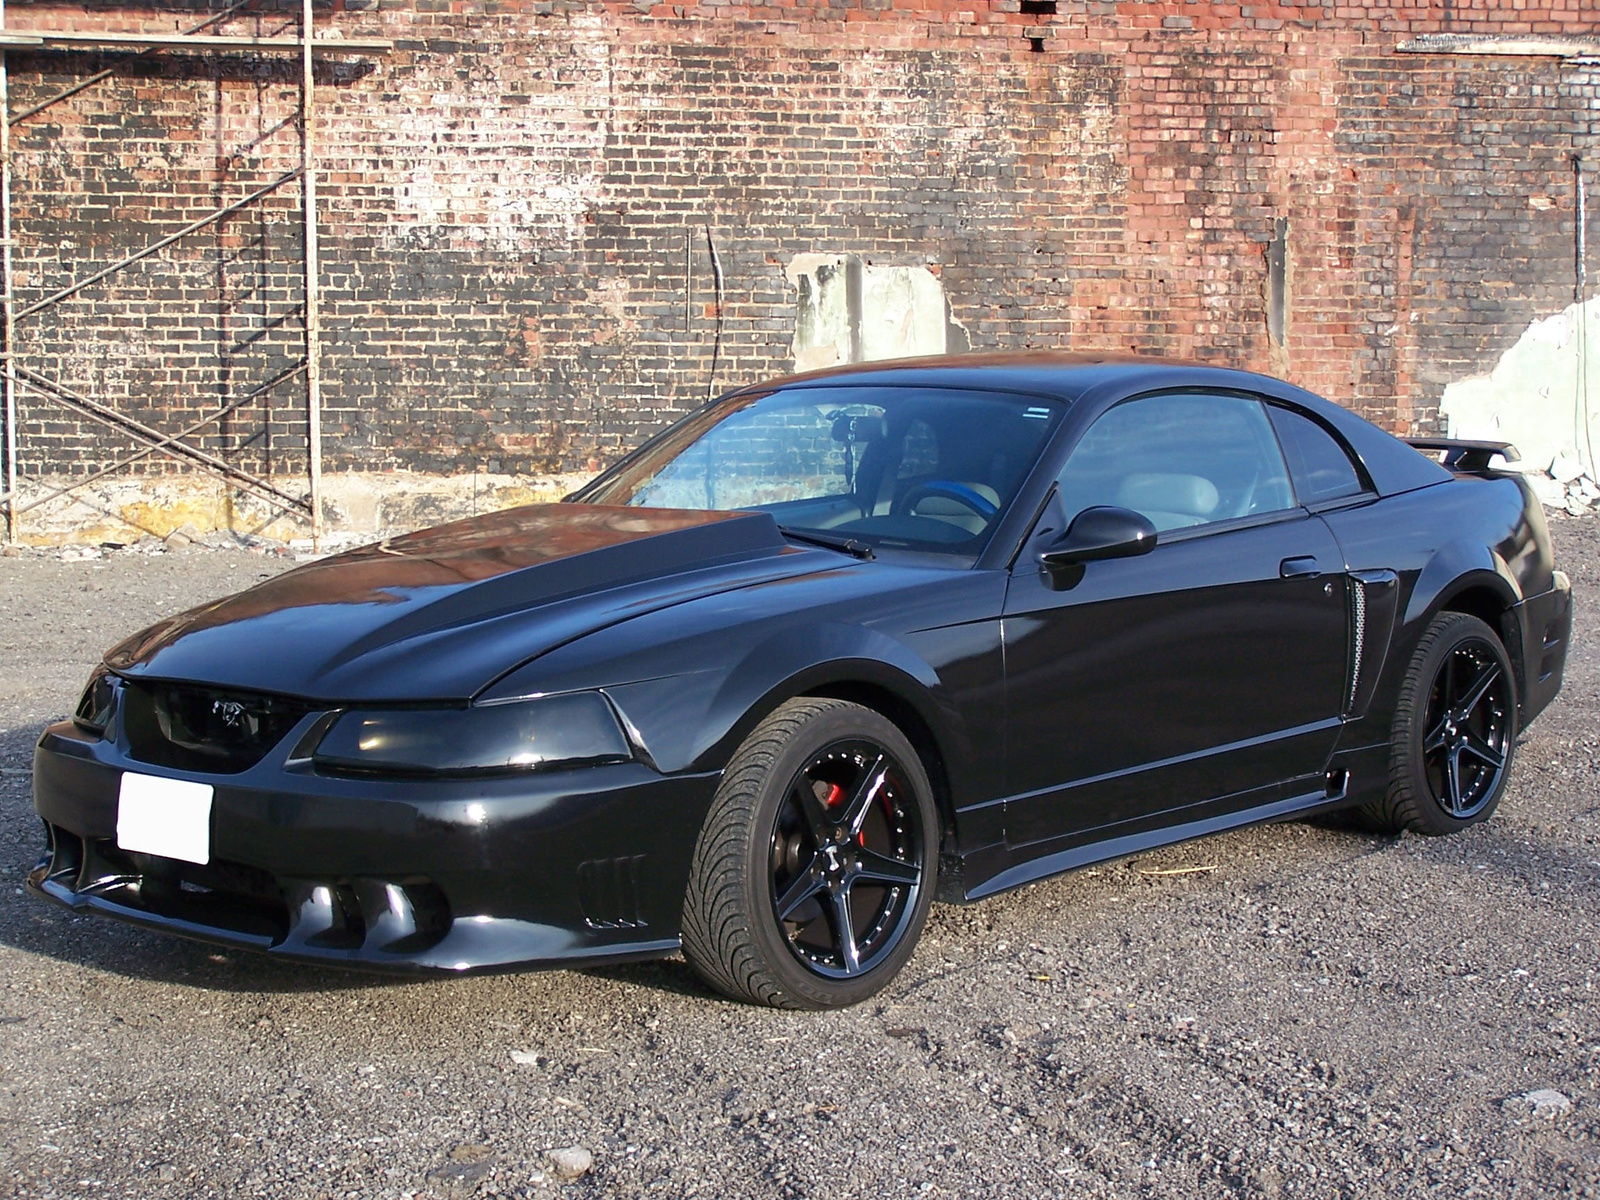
(836, 798)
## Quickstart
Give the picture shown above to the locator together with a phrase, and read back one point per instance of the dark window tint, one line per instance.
(1322, 470)
(1181, 459)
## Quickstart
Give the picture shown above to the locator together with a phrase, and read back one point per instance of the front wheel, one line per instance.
(815, 868)
(1454, 731)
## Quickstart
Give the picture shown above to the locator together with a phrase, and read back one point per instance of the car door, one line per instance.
(1207, 672)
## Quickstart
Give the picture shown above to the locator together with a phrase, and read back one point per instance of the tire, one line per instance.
(1454, 731)
(824, 822)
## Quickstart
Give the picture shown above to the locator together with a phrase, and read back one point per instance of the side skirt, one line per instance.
(1089, 853)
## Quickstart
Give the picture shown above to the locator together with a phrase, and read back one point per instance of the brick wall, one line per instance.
(520, 205)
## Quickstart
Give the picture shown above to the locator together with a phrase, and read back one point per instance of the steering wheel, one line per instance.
(947, 489)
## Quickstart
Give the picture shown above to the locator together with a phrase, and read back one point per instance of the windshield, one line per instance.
(920, 468)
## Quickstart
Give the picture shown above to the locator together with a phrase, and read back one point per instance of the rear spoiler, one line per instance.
(1472, 458)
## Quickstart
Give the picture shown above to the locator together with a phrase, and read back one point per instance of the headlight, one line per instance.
(522, 736)
(94, 710)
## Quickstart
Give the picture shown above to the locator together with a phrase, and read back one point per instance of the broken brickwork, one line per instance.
(549, 227)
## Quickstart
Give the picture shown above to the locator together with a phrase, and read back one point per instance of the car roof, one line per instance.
(1392, 465)
(1062, 375)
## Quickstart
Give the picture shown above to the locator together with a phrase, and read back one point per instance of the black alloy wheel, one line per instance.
(815, 869)
(846, 859)
(1465, 743)
(1454, 730)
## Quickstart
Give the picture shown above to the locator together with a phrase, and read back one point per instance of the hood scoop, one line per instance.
(306, 632)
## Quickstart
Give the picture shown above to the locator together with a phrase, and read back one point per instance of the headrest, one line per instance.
(1191, 495)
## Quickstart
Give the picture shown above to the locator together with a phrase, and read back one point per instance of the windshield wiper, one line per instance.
(832, 541)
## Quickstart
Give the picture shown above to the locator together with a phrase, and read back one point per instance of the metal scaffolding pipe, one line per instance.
(73, 289)
(16, 375)
(313, 316)
(36, 39)
(141, 432)
(7, 314)
(85, 84)
(165, 444)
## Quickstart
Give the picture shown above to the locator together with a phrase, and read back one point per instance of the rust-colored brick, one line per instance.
(517, 201)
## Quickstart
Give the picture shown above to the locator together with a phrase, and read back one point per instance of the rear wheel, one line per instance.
(815, 868)
(1454, 731)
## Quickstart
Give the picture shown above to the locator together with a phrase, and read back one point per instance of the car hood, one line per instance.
(441, 614)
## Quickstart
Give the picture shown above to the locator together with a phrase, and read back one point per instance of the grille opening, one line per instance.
(204, 729)
(400, 917)
(367, 914)
(224, 895)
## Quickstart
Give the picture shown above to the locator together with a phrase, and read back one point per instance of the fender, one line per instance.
(1455, 567)
(695, 722)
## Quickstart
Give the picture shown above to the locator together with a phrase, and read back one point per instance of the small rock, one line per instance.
(1548, 490)
(1546, 1103)
(177, 540)
(525, 1058)
(166, 1172)
(1566, 467)
(571, 1162)
(12, 551)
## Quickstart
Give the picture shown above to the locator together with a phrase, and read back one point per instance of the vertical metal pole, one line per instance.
(1580, 244)
(313, 321)
(1580, 239)
(10, 378)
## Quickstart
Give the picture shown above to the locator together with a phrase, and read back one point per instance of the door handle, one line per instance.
(1295, 568)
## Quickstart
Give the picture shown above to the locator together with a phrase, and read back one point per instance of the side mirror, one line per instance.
(1095, 533)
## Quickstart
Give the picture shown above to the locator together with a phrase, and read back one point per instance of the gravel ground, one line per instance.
(1312, 1012)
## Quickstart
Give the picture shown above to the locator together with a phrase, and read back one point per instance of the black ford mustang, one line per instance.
(817, 650)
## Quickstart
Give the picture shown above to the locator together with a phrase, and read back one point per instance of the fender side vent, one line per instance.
(1358, 640)
(608, 891)
(1373, 599)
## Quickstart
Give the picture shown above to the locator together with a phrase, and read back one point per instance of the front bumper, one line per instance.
(584, 865)
(1545, 623)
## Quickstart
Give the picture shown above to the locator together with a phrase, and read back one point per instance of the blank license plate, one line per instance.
(169, 817)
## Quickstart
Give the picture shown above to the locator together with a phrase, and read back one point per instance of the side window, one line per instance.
(1322, 470)
(1181, 459)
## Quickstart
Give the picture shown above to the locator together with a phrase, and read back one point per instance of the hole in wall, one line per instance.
(1036, 45)
(1039, 8)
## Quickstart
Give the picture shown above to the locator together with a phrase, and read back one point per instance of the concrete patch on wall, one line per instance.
(851, 311)
(357, 507)
(1543, 396)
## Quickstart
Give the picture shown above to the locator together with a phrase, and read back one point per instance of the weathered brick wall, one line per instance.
(520, 205)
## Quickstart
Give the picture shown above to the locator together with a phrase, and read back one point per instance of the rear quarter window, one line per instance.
(1321, 469)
